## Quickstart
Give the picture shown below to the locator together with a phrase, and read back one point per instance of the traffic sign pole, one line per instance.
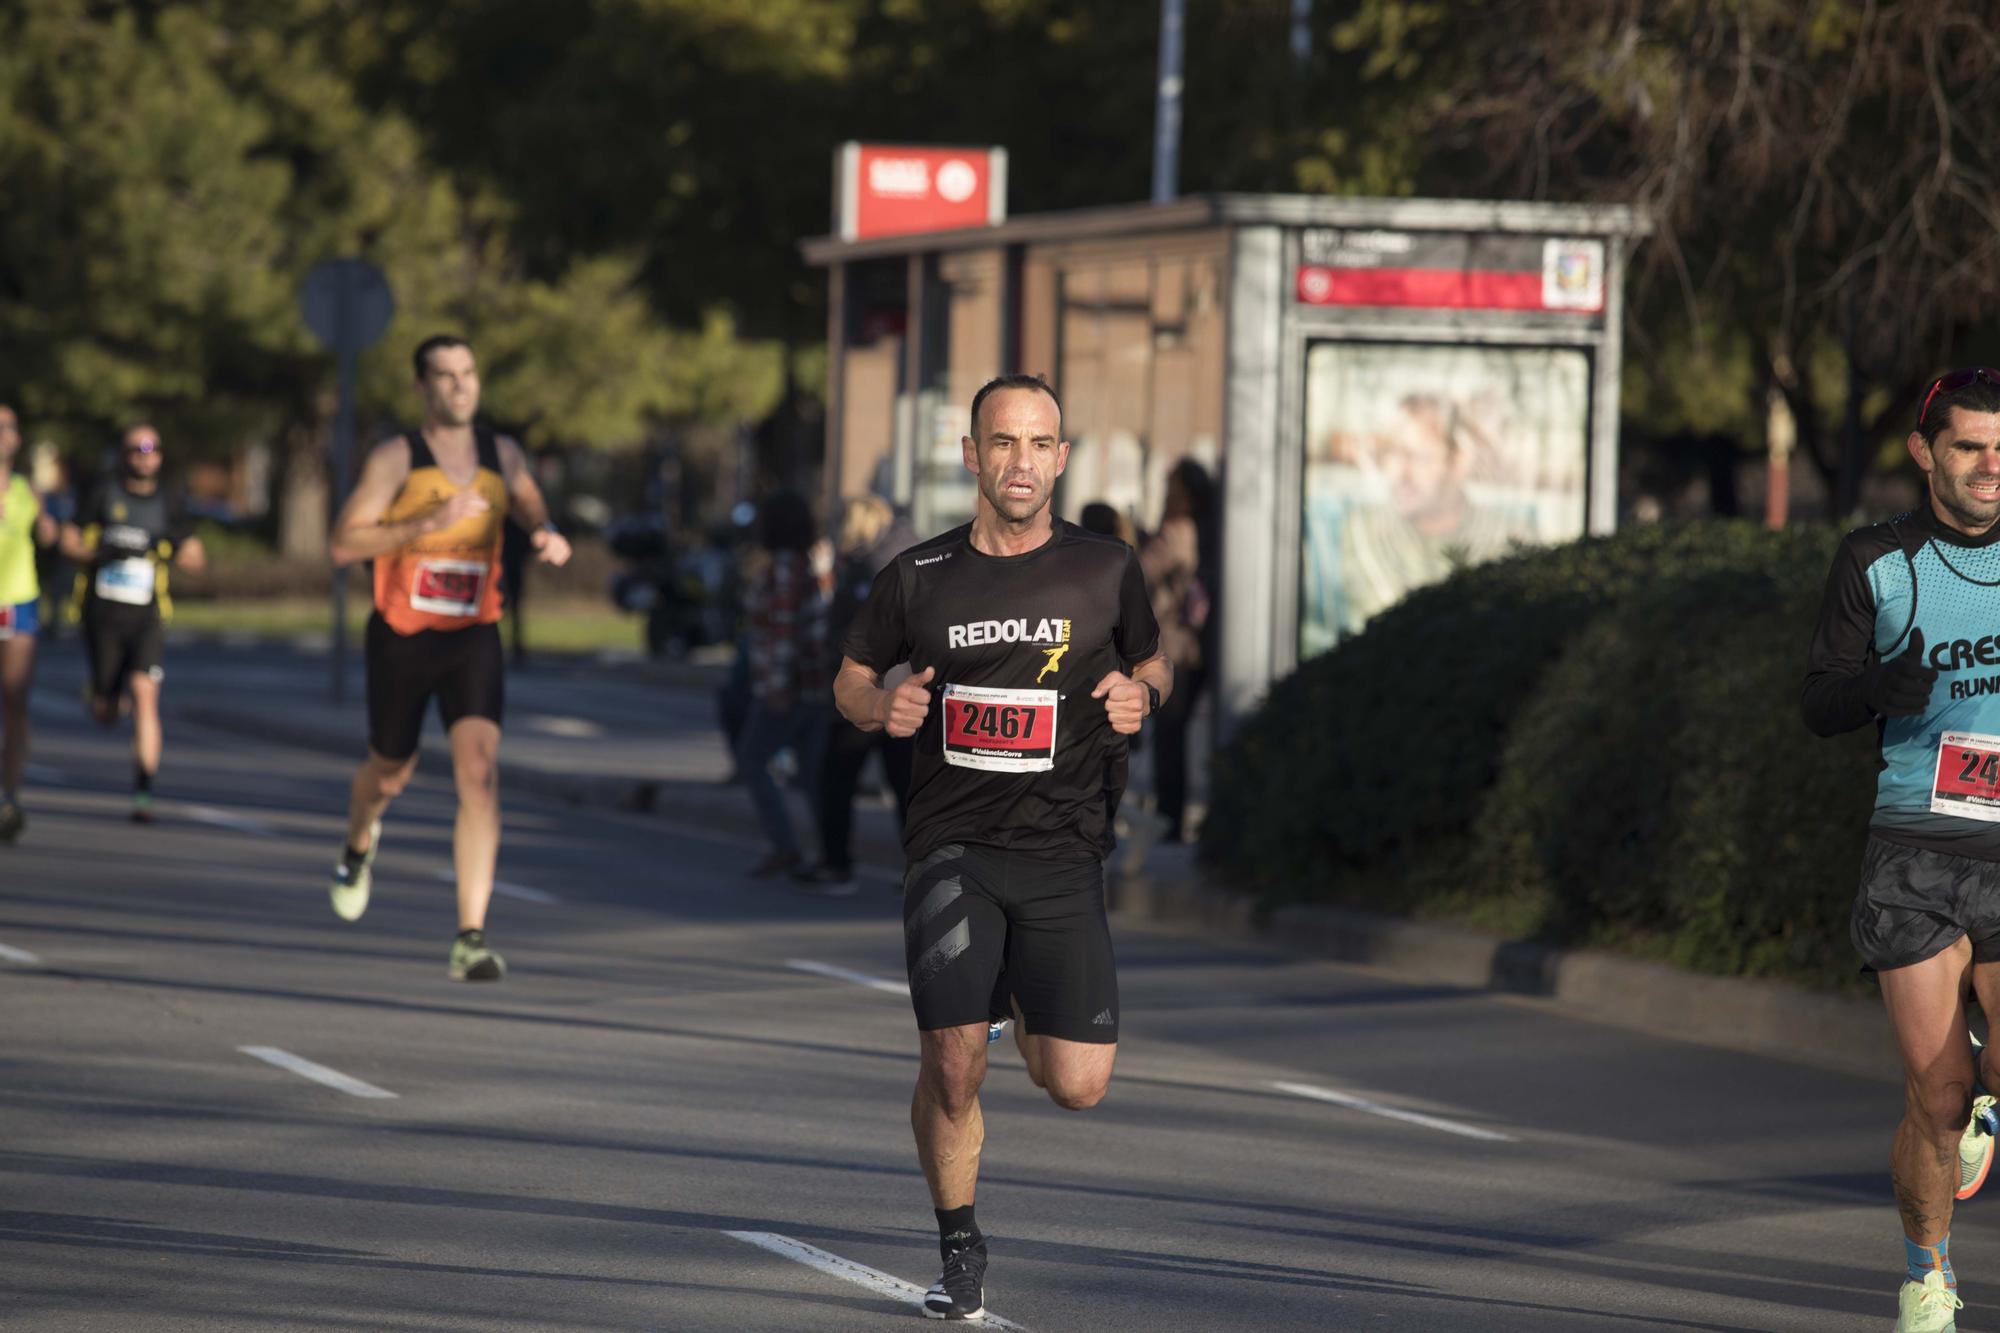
(347, 304)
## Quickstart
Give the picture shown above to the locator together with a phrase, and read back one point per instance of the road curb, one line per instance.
(1750, 1014)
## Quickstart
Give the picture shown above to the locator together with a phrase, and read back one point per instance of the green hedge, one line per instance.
(1598, 743)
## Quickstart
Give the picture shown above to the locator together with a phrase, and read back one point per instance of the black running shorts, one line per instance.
(1915, 902)
(121, 642)
(462, 668)
(976, 916)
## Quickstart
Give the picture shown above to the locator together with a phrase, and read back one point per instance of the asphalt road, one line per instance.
(662, 1121)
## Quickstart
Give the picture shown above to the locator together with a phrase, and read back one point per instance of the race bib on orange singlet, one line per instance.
(1001, 731)
(1967, 783)
(448, 587)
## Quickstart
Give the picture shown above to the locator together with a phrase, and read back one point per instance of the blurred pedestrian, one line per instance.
(48, 473)
(1181, 561)
(791, 690)
(871, 536)
(1106, 521)
(514, 550)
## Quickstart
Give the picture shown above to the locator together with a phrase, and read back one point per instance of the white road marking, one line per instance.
(304, 1068)
(1390, 1112)
(842, 974)
(506, 888)
(571, 728)
(21, 956)
(846, 1269)
(42, 773)
(208, 814)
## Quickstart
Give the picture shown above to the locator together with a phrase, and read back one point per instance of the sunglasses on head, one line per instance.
(143, 447)
(1953, 381)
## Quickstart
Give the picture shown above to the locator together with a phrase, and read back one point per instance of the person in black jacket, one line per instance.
(871, 535)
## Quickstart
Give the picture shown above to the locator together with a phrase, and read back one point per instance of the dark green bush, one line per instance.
(1598, 742)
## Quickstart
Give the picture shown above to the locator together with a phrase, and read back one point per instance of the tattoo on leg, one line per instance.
(1914, 1208)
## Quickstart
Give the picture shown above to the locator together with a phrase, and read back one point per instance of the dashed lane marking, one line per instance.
(847, 1270)
(506, 888)
(1354, 1103)
(305, 1068)
(208, 814)
(21, 956)
(843, 974)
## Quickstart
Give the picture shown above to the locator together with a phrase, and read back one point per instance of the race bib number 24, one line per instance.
(1968, 777)
(1001, 731)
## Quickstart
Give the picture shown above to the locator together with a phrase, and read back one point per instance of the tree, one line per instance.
(1822, 174)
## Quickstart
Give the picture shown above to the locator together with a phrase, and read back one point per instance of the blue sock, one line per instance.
(1923, 1258)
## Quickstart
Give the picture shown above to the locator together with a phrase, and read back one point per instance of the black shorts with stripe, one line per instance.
(986, 929)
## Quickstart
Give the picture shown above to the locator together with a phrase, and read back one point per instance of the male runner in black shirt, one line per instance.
(124, 537)
(1037, 641)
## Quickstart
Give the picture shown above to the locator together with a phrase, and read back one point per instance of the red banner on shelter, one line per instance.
(893, 190)
(1452, 271)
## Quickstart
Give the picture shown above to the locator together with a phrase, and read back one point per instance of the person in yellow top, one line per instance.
(428, 511)
(23, 525)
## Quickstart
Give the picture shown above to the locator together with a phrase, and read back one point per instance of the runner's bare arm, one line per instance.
(528, 506)
(71, 542)
(1124, 695)
(858, 693)
(191, 556)
(360, 534)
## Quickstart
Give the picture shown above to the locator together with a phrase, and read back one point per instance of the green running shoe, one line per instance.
(1928, 1306)
(142, 807)
(471, 960)
(1975, 1147)
(352, 878)
(12, 821)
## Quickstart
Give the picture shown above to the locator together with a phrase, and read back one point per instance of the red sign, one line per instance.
(887, 190)
(1452, 271)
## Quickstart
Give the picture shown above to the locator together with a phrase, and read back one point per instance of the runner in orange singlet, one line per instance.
(428, 511)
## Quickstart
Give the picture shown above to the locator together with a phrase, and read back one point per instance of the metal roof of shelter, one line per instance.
(1250, 210)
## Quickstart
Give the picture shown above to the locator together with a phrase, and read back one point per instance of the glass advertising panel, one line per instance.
(1420, 460)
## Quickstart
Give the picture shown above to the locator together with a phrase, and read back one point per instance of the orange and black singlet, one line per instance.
(450, 579)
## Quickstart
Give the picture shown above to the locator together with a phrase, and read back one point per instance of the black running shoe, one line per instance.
(12, 821)
(961, 1292)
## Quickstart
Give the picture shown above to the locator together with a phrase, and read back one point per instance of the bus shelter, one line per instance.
(1383, 389)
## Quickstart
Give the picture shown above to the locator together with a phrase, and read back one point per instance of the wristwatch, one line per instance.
(1152, 697)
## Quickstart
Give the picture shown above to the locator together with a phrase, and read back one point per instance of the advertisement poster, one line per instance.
(1421, 460)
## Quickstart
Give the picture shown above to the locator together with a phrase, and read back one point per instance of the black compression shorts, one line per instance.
(462, 668)
(121, 642)
(976, 916)
(1914, 903)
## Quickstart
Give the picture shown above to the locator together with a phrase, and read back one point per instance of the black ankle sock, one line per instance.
(354, 858)
(956, 1229)
(142, 780)
(473, 936)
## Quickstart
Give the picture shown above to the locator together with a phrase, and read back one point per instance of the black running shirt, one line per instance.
(135, 536)
(1014, 752)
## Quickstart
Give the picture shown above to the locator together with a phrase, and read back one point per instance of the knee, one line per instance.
(1074, 1094)
(390, 779)
(1940, 1109)
(954, 1088)
(478, 776)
